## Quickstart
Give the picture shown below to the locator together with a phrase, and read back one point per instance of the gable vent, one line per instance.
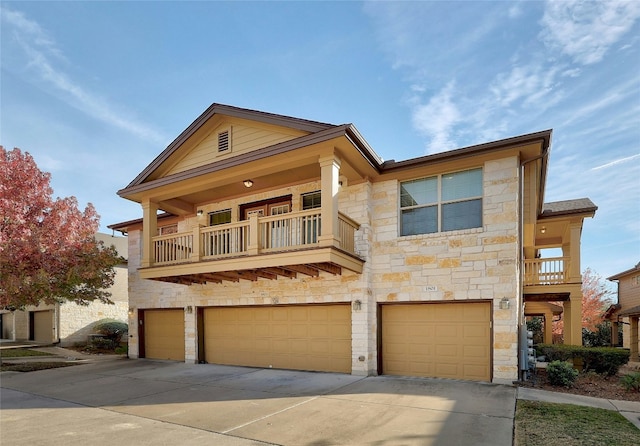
(223, 141)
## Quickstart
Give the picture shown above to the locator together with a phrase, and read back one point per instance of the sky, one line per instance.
(94, 91)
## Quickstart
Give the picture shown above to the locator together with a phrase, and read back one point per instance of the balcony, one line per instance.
(550, 271)
(260, 247)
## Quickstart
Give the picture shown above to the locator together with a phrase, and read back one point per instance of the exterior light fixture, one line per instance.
(357, 305)
(505, 303)
(189, 309)
(247, 183)
(200, 212)
(131, 310)
(543, 229)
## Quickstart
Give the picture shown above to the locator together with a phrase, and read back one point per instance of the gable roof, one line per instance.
(625, 273)
(236, 112)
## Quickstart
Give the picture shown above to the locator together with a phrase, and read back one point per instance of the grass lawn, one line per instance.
(34, 366)
(548, 424)
(21, 352)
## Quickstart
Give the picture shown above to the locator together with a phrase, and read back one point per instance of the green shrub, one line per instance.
(112, 329)
(561, 373)
(631, 381)
(556, 352)
(603, 360)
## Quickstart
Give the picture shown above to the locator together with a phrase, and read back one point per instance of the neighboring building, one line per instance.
(70, 323)
(627, 310)
(289, 243)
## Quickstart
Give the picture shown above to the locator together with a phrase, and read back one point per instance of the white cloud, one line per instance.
(437, 118)
(529, 83)
(39, 49)
(585, 30)
(616, 162)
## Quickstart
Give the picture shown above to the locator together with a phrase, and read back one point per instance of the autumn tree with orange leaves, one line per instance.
(595, 300)
(48, 250)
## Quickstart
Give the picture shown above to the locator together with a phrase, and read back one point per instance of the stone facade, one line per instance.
(467, 265)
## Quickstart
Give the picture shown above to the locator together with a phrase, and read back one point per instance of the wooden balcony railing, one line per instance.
(265, 235)
(549, 271)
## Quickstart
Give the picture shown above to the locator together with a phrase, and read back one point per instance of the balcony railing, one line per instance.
(263, 235)
(549, 271)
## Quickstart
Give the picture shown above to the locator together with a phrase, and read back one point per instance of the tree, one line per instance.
(595, 299)
(48, 250)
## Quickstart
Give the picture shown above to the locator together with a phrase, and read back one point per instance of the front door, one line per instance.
(277, 234)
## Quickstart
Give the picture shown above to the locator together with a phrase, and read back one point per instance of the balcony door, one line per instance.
(277, 233)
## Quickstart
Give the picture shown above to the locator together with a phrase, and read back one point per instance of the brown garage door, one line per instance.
(164, 334)
(42, 326)
(445, 340)
(300, 337)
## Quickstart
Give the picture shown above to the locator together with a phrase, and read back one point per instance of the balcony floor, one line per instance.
(309, 262)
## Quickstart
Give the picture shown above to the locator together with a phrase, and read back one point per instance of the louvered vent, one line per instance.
(223, 141)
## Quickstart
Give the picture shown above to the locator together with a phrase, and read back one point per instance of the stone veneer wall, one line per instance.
(475, 264)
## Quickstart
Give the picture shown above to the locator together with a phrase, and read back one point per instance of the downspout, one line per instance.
(521, 318)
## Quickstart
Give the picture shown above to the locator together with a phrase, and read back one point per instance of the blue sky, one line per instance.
(95, 90)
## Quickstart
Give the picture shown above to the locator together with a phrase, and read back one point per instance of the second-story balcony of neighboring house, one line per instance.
(558, 230)
(556, 277)
(253, 195)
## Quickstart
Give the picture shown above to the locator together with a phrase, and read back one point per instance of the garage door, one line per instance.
(451, 340)
(43, 326)
(164, 334)
(303, 337)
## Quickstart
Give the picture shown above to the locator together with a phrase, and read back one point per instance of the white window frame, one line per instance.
(439, 203)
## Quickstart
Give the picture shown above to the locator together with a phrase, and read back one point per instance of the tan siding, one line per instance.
(629, 291)
(244, 138)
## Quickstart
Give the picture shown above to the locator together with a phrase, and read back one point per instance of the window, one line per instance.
(311, 226)
(220, 217)
(223, 141)
(312, 200)
(169, 229)
(441, 203)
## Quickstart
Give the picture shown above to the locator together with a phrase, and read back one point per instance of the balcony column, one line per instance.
(149, 230)
(614, 333)
(571, 250)
(633, 338)
(548, 327)
(573, 319)
(329, 174)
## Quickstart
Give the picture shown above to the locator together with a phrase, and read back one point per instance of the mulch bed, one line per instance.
(588, 384)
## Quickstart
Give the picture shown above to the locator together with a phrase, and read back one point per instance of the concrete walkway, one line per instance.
(156, 402)
(111, 399)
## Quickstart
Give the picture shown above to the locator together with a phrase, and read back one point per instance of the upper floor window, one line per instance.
(169, 229)
(441, 203)
(220, 217)
(636, 280)
(312, 200)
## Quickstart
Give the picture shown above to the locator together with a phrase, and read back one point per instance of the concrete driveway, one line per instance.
(155, 402)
